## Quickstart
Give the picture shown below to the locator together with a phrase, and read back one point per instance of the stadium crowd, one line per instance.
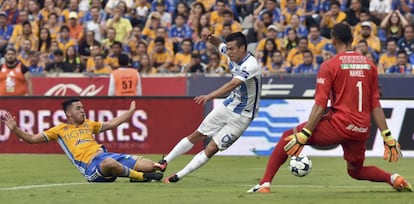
(164, 36)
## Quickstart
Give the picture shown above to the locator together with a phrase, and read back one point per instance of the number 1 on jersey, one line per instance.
(359, 86)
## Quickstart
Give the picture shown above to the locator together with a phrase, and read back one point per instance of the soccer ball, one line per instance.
(300, 166)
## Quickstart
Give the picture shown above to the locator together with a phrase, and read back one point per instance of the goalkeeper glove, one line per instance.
(296, 142)
(392, 149)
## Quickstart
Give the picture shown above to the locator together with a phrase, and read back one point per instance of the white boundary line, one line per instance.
(14, 188)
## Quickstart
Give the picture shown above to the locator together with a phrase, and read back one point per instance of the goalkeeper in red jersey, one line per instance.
(350, 81)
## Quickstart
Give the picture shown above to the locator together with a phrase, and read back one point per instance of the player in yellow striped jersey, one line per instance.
(76, 137)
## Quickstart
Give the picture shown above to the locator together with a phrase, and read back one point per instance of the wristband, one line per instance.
(306, 132)
(386, 133)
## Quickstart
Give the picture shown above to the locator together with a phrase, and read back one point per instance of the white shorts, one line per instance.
(224, 126)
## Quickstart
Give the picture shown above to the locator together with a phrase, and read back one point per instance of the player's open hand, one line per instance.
(10, 120)
(392, 150)
(202, 99)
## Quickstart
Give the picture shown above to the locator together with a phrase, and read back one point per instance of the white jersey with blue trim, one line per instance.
(245, 98)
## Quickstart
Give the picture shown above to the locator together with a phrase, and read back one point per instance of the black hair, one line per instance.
(68, 103)
(240, 39)
(123, 60)
(402, 52)
(342, 32)
(159, 40)
(335, 2)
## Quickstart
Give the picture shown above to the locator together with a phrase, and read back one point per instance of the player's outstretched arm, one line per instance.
(120, 119)
(223, 90)
(10, 121)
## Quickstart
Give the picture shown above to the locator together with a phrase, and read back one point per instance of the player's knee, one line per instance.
(109, 163)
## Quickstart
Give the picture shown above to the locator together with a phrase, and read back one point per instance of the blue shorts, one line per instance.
(93, 172)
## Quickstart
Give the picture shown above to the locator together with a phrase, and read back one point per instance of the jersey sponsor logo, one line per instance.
(80, 141)
(355, 66)
(355, 128)
(353, 59)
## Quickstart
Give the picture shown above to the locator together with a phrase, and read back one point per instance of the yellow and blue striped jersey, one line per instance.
(78, 142)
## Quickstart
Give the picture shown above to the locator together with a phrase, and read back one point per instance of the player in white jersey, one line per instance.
(227, 122)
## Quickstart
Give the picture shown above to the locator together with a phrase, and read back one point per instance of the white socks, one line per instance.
(393, 177)
(198, 161)
(183, 146)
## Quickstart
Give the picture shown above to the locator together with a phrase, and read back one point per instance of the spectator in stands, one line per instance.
(277, 66)
(331, 17)
(272, 33)
(406, 43)
(6, 31)
(72, 8)
(328, 52)
(228, 18)
(64, 39)
(406, 7)
(15, 77)
(271, 6)
(44, 41)
(226, 30)
(142, 49)
(195, 65)
(363, 47)
(183, 58)
(214, 66)
(111, 5)
(34, 11)
(389, 57)
(102, 14)
(197, 10)
(161, 32)
(200, 45)
(133, 39)
(379, 9)
(290, 41)
(394, 24)
(295, 56)
(308, 66)
(45, 13)
(58, 65)
(110, 39)
(145, 65)
(402, 66)
(23, 53)
(35, 67)
(75, 28)
(166, 18)
(12, 12)
(353, 12)
(96, 24)
(296, 24)
(96, 49)
(124, 81)
(18, 28)
(142, 11)
(26, 35)
(179, 31)
(85, 45)
(266, 55)
(152, 24)
(316, 42)
(244, 7)
(52, 25)
(260, 28)
(162, 58)
(122, 25)
(216, 16)
(292, 9)
(366, 34)
(113, 55)
(181, 8)
(73, 59)
(364, 16)
(99, 66)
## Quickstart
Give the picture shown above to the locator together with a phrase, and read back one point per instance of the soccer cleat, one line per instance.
(400, 184)
(260, 188)
(172, 179)
(161, 165)
(153, 176)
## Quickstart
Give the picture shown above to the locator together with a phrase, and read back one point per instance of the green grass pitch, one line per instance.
(51, 178)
